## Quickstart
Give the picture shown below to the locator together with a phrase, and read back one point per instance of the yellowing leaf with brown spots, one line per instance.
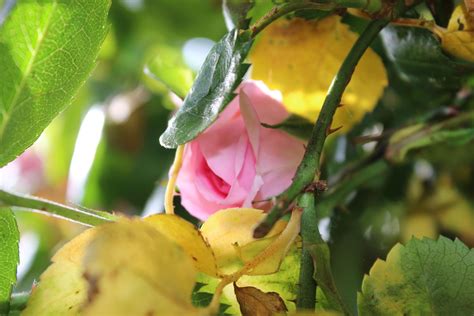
(458, 40)
(133, 269)
(122, 268)
(300, 58)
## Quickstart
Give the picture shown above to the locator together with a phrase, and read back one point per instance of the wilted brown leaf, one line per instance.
(254, 302)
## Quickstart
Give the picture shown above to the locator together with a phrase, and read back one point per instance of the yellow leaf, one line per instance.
(269, 260)
(62, 290)
(252, 301)
(122, 268)
(419, 225)
(300, 58)
(460, 20)
(442, 207)
(227, 231)
(133, 269)
(189, 237)
(458, 40)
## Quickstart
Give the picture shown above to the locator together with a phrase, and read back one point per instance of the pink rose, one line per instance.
(237, 161)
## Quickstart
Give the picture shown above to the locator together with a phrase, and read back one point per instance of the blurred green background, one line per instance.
(103, 151)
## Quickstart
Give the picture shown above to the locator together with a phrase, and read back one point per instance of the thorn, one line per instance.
(333, 130)
(317, 187)
(341, 105)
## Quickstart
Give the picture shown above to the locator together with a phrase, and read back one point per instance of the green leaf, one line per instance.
(168, 68)
(419, 59)
(213, 89)
(295, 125)
(9, 256)
(424, 277)
(235, 13)
(47, 51)
(420, 136)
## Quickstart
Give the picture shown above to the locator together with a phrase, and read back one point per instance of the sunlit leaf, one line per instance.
(9, 256)
(124, 268)
(132, 269)
(300, 58)
(189, 238)
(62, 289)
(229, 230)
(424, 277)
(212, 90)
(47, 51)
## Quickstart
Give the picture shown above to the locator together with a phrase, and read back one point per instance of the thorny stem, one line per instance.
(170, 187)
(82, 216)
(310, 165)
(306, 298)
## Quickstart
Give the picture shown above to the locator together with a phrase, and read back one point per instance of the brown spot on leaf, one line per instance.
(93, 290)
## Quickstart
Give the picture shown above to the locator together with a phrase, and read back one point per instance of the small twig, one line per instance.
(420, 23)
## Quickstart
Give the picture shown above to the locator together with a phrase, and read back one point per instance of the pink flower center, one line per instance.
(216, 183)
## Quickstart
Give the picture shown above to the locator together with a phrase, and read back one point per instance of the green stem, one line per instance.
(279, 11)
(316, 267)
(306, 298)
(309, 166)
(370, 6)
(81, 216)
